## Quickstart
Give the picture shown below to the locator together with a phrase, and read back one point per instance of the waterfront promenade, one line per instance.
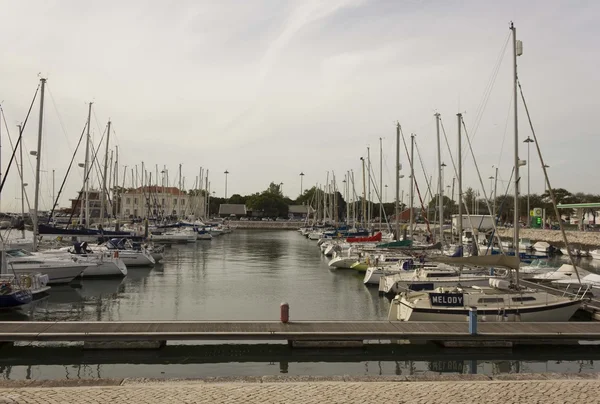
(517, 388)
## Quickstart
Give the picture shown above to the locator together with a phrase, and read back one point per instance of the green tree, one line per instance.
(449, 206)
(270, 202)
(237, 199)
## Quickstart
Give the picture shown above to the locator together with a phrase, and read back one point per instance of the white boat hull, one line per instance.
(342, 262)
(173, 238)
(114, 267)
(556, 313)
(56, 274)
(136, 258)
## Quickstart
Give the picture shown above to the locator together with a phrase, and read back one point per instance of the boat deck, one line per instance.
(293, 331)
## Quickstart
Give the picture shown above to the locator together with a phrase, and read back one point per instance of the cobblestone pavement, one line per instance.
(343, 392)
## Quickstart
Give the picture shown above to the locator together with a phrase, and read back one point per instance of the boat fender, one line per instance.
(116, 254)
(27, 281)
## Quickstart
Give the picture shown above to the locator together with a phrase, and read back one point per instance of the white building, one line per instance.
(146, 202)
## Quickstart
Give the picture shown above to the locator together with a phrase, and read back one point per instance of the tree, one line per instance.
(448, 203)
(237, 199)
(270, 202)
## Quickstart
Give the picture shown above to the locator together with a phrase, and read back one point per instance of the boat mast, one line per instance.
(369, 206)
(397, 178)
(516, 178)
(22, 184)
(440, 184)
(38, 158)
(380, 182)
(412, 182)
(103, 193)
(459, 228)
(364, 201)
(117, 194)
(85, 171)
(334, 207)
(348, 198)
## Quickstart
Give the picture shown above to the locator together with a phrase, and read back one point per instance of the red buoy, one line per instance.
(284, 312)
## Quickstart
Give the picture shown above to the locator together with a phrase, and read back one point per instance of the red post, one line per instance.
(284, 312)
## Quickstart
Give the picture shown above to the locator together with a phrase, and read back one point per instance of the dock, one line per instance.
(163, 331)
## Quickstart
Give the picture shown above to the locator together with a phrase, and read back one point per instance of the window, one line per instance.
(128, 201)
(127, 212)
(135, 201)
(523, 299)
(491, 300)
(183, 202)
(163, 202)
(175, 201)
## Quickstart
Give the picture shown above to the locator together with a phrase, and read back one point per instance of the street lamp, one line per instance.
(281, 188)
(529, 140)
(226, 173)
(301, 187)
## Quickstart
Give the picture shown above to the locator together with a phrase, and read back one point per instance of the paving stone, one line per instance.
(310, 390)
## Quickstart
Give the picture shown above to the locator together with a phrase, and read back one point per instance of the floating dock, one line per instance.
(438, 332)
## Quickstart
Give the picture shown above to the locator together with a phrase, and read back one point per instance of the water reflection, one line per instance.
(321, 368)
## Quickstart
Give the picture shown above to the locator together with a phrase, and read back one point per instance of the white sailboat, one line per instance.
(59, 271)
(502, 300)
(496, 303)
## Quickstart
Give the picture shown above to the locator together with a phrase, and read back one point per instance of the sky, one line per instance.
(267, 89)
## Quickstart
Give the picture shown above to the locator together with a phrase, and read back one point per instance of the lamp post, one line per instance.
(529, 140)
(226, 174)
(545, 183)
(301, 187)
(281, 188)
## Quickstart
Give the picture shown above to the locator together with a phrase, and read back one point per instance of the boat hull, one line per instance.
(559, 312)
(113, 268)
(136, 259)
(56, 275)
(15, 299)
(342, 263)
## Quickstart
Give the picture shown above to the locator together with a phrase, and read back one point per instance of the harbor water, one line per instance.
(244, 275)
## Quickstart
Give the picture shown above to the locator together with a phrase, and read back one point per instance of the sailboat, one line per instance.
(503, 299)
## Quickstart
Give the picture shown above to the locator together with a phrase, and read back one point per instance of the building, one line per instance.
(94, 204)
(405, 215)
(232, 209)
(155, 201)
(300, 211)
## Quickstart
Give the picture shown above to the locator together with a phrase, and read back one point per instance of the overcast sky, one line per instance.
(270, 88)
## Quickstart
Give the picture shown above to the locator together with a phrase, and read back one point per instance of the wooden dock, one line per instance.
(556, 333)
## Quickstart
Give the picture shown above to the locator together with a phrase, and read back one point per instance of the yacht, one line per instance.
(127, 254)
(98, 264)
(58, 270)
(175, 237)
(501, 301)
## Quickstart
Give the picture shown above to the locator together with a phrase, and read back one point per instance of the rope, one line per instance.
(3, 115)
(487, 201)
(550, 190)
(416, 186)
(12, 157)
(67, 173)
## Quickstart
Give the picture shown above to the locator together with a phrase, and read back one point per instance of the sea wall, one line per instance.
(590, 239)
(293, 225)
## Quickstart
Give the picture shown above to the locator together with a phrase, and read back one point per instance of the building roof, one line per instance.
(232, 209)
(300, 209)
(578, 205)
(156, 190)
